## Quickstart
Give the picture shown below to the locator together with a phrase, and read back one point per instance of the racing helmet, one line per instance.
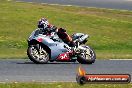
(43, 23)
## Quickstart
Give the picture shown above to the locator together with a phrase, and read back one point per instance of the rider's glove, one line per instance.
(61, 30)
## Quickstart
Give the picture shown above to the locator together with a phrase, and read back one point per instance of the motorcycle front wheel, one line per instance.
(37, 54)
(87, 57)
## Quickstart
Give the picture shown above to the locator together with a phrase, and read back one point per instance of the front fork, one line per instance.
(83, 50)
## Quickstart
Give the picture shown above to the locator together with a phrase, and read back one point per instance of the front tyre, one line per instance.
(87, 57)
(37, 54)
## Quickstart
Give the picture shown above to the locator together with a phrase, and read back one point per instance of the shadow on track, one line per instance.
(48, 63)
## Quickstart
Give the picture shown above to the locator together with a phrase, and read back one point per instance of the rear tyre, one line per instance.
(38, 54)
(87, 57)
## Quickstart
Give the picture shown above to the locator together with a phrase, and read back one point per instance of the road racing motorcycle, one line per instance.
(44, 47)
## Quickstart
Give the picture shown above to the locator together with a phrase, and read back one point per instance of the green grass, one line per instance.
(110, 30)
(62, 85)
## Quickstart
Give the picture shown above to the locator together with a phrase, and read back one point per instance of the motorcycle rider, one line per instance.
(44, 24)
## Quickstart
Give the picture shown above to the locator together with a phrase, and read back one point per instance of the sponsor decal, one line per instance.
(64, 57)
(39, 39)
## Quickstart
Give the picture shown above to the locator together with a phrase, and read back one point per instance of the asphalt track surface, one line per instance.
(21, 70)
(112, 4)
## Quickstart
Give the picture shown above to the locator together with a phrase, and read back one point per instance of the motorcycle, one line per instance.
(48, 47)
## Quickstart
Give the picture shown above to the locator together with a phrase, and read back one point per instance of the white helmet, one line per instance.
(43, 23)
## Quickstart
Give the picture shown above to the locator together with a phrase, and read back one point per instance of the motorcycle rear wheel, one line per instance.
(37, 54)
(88, 57)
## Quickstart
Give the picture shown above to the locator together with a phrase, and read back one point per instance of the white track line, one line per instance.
(56, 4)
(49, 4)
(120, 59)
